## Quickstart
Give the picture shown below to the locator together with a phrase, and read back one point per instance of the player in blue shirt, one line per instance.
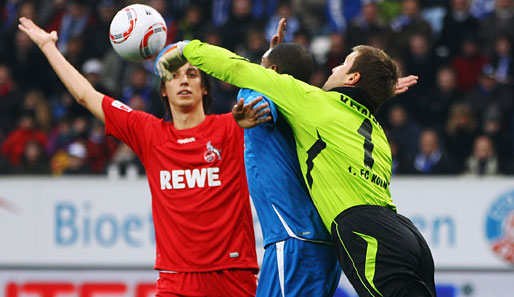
(299, 258)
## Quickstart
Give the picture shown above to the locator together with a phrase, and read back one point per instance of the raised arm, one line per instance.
(77, 85)
(279, 36)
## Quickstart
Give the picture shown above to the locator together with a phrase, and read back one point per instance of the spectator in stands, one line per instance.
(337, 51)
(481, 9)
(72, 24)
(302, 37)
(96, 42)
(63, 106)
(431, 158)
(100, 148)
(239, 22)
(33, 160)
(75, 51)
(192, 24)
(501, 21)
(399, 162)
(502, 60)
(93, 70)
(22, 59)
(9, 13)
(483, 160)
(77, 154)
(50, 12)
(14, 145)
(225, 96)
(36, 103)
(60, 136)
(461, 130)
(457, 23)
(489, 93)
(420, 58)
(10, 102)
(408, 23)
(255, 45)
(432, 107)
(367, 25)
(469, 63)
(139, 84)
(123, 160)
(283, 10)
(497, 129)
(312, 15)
(404, 131)
(340, 13)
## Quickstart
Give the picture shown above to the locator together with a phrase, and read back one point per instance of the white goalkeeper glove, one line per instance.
(170, 59)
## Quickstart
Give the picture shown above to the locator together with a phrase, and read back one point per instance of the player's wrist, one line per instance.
(48, 45)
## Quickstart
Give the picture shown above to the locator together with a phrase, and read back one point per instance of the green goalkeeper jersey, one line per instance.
(343, 151)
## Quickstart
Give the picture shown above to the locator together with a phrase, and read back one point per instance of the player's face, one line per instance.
(340, 76)
(185, 90)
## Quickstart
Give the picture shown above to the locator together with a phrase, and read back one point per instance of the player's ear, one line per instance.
(163, 89)
(353, 78)
(204, 91)
(275, 68)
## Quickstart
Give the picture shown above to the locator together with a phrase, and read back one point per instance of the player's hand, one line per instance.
(404, 83)
(279, 36)
(169, 59)
(39, 36)
(248, 115)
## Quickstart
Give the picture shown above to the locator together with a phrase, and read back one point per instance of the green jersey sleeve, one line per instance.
(342, 150)
(230, 67)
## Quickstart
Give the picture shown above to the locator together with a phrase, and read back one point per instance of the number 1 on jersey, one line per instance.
(365, 130)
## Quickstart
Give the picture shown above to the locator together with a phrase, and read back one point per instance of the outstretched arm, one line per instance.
(77, 85)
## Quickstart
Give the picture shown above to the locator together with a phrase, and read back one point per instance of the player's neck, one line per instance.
(187, 120)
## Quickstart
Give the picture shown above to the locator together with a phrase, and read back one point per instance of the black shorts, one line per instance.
(382, 253)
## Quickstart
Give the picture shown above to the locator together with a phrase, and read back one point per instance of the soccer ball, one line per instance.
(137, 32)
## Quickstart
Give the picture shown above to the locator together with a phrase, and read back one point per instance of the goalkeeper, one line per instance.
(344, 157)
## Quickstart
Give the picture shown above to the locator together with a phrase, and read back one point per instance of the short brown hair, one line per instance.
(379, 74)
(206, 99)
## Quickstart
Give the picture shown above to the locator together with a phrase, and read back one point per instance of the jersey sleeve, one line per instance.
(249, 95)
(132, 127)
(285, 91)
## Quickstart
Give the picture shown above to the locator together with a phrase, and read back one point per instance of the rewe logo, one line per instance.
(195, 178)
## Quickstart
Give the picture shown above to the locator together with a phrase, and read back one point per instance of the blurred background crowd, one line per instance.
(458, 119)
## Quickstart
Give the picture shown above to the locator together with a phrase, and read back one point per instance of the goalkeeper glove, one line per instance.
(170, 59)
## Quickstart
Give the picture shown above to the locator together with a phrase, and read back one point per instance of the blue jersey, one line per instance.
(275, 181)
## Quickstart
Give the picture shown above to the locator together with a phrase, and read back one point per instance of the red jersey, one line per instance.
(200, 200)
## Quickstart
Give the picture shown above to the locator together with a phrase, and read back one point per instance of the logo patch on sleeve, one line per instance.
(121, 106)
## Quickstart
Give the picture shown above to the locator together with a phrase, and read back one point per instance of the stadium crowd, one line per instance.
(458, 119)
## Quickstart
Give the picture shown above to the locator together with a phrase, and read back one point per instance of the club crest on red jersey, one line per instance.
(211, 154)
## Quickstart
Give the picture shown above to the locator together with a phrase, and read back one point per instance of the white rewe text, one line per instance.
(195, 178)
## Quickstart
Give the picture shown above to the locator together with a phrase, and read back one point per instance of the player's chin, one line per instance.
(186, 104)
